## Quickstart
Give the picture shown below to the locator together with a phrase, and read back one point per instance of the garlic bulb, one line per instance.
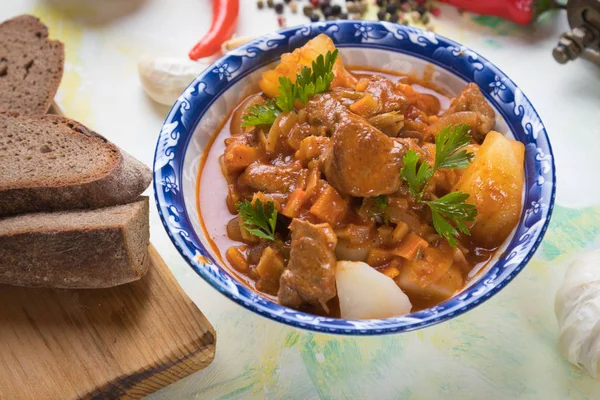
(164, 78)
(365, 293)
(577, 308)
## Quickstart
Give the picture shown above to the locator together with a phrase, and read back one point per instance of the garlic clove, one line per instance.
(165, 78)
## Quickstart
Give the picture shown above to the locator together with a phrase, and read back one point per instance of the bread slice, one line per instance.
(53, 163)
(31, 66)
(76, 249)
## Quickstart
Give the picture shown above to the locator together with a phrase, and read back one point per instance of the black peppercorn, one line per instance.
(279, 8)
(394, 17)
(326, 11)
(421, 9)
(349, 1)
(336, 10)
(287, 1)
(314, 18)
(381, 15)
(380, 3)
(391, 8)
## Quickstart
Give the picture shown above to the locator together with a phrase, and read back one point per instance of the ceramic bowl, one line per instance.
(200, 110)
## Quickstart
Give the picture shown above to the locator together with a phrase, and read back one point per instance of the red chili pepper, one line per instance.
(519, 11)
(225, 15)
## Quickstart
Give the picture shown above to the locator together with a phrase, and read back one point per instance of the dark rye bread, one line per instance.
(31, 66)
(53, 163)
(76, 249)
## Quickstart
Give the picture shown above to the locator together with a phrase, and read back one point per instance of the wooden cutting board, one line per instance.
(119, 343)
(124, 342)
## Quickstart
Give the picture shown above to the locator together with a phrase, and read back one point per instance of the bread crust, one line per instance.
(76, 249)
(31, 64)
(119, 184)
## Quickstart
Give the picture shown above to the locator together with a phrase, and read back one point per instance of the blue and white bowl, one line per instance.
(200, 110)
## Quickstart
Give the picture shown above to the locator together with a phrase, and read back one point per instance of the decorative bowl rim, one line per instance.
(519, 114)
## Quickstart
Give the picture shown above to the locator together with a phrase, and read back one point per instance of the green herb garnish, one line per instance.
(316, 80)
(449, 147)
(417, 176)
(260, 114)
(451, 211)
(309, 81)
(452, 208)
(258, 219)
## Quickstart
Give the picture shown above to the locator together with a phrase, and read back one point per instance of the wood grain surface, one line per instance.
(124, 342)
(118, 343)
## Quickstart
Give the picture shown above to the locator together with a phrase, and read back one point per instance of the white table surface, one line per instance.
(504, 349)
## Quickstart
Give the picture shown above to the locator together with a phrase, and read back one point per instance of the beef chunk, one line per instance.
(310, 275)
(270, 178)
(387, 95)
(360, 160)
(471, 99)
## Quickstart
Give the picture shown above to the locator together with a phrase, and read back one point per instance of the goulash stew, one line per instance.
(358, 194)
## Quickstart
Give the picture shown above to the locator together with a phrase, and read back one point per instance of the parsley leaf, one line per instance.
(306, 86)
(260, 114)
(259, 219)
(287, 95)
(450, 213)
(323, 71)
(309, 81)
(448, 145)
(416, 176)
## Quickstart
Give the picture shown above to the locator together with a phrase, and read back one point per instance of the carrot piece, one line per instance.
(365, 106)
(238, 156)
(237, 259)
(411, 246)
(269, 269)
(330, 206)
(294, 203)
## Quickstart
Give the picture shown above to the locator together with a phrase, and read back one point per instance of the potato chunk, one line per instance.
(292, 63)
(494, 181)
(365, 293)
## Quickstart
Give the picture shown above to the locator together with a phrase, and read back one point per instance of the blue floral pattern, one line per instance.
(498, 85)
(170, 184)
(514, 108)
(222, 70)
